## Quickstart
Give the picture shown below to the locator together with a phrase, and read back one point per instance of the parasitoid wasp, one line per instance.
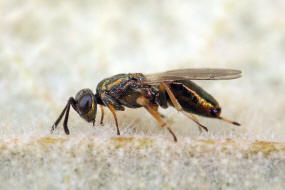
(134, 90)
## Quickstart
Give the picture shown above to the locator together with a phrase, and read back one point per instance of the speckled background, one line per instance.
(51, 49)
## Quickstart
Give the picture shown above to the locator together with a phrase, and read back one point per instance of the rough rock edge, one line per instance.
(194, 146)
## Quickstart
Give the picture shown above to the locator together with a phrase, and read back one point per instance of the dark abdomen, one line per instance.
(192, 98)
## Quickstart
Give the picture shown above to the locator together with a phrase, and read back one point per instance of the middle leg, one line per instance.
(113, 105)
(153, 111)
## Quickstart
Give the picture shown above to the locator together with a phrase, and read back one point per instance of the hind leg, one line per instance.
(221, 118)
(180, 109)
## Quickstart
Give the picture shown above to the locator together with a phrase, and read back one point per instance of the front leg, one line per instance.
(112, 109)
(113, 105)
(65, 111)
(102, 114)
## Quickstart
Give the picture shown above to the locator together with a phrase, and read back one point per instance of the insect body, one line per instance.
(172, 88)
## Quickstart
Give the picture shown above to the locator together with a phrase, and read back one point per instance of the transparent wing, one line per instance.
(192, 74)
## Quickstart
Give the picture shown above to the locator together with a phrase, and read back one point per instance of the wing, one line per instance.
(192, 74)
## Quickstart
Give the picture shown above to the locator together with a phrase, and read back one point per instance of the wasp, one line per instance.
(134, 90)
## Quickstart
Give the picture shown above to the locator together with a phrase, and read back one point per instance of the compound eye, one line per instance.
(85, 104)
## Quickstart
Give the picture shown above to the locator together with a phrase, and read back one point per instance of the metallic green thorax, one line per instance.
(118, 80)
(121, 90)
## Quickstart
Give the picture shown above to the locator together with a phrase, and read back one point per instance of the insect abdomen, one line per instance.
(193, 98)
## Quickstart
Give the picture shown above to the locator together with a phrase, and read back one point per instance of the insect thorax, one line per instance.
(117, 81)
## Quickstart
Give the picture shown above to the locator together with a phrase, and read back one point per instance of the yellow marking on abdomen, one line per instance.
(201, 100)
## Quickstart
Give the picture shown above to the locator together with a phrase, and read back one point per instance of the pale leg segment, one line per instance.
(153, 111)
(180, 109)
(112, 109)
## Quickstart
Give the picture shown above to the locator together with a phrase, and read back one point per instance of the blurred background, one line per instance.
(49, 50)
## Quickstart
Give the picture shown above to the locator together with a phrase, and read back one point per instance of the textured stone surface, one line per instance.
(140, 163)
